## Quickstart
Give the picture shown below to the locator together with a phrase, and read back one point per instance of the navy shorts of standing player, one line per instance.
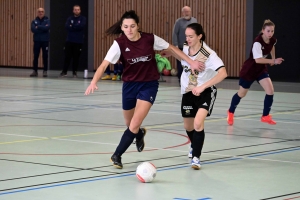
(198, 89)
(136, 51)
(255, 69)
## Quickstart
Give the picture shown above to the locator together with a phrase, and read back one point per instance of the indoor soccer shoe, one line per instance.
(140, 144)
(230, 118)
(114, 78)
(116, 161)
(268, 119)
(190, 154)
(195, 163)
(107, 77)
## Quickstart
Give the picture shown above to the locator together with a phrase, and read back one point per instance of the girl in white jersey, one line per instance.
(197, 89)
(140, 77)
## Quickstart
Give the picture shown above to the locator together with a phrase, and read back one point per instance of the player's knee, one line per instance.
(270, 91)
(135, 125)
(242, 94)
(198, 126)
(189, 127)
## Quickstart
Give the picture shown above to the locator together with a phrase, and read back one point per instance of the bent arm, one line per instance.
(221, 75)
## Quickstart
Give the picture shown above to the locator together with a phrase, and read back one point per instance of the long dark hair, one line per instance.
(115, 29)
(198, 29)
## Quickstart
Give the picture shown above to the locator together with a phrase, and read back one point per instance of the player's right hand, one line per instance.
(91, 88)
(278, 61)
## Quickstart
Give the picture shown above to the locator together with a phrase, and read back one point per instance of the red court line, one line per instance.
(93, 153)
(293, 198)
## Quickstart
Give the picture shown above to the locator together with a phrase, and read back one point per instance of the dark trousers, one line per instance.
(72, 52)
(179, 68)
(37, 46)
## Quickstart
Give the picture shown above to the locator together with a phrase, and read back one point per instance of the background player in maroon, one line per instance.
(140, 75)
(255, 68)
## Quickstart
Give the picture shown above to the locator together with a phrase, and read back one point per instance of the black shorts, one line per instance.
(191, 103)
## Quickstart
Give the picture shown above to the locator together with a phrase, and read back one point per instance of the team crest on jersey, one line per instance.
(139, 59)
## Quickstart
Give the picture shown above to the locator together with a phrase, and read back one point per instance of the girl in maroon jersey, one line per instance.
(140, 76)
(255, 68)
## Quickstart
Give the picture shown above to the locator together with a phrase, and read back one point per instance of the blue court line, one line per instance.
(264, 154)
(133, 174)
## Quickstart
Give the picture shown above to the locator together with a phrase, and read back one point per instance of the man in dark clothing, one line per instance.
(75, 26)
(40, 27)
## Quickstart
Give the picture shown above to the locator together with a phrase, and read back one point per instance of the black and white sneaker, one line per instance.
(63, 74)
(140, 144)
(34, 74)
(117, 163)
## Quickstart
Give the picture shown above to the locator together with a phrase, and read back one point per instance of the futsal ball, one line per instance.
(146, 172)
(174, 72)
(166, 72)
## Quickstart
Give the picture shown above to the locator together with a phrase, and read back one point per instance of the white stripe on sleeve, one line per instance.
(159, 43)
(114, 53)
(256, 50)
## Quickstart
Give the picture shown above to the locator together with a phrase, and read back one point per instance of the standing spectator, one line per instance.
(75, 26)
(40, 27)
(178, 35)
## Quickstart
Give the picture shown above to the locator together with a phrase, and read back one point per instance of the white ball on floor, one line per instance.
(146, 172)
(174, 72)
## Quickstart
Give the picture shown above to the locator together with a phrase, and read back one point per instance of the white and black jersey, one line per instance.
(212, 64)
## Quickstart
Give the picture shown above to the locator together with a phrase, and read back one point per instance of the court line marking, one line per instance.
(120, 176)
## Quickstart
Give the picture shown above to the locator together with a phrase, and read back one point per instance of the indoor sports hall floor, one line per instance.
(56, 143)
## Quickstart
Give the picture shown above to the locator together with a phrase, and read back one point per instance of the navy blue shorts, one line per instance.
(247, 84)
(132, 91)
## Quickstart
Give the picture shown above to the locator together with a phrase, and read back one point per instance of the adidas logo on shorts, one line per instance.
(205, 104)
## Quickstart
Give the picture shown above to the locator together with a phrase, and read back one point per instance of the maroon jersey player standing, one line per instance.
(140, 76)
(255, 69)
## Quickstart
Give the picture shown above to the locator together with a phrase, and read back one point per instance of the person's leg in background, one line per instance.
(77, 49)
(68, 57)
(45, 50)
(36, 53)
(107, 76)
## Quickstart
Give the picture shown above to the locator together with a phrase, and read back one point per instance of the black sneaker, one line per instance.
(116, 161)
(63, 74)
(74, 74)
(34, 74)
(45, 74)
(140, 144)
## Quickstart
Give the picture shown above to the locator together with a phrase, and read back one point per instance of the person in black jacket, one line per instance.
(75, 26)
(40, 27)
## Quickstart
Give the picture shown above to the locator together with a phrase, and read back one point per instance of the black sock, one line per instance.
(234, 102)
(125, 142)
(139, 135)
(267, 104)
(198, 140)
(191, 135)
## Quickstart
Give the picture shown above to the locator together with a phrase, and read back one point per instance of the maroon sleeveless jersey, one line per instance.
(138, 58)
(251, 70)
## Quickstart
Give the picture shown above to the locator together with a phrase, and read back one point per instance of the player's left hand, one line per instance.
(198, 90)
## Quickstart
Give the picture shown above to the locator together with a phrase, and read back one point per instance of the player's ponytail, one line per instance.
(198, 29)
(267, 22)
(115, 29)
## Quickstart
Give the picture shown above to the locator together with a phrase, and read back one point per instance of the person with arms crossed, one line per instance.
(75, 26)
(178, 35)
(40, 27)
